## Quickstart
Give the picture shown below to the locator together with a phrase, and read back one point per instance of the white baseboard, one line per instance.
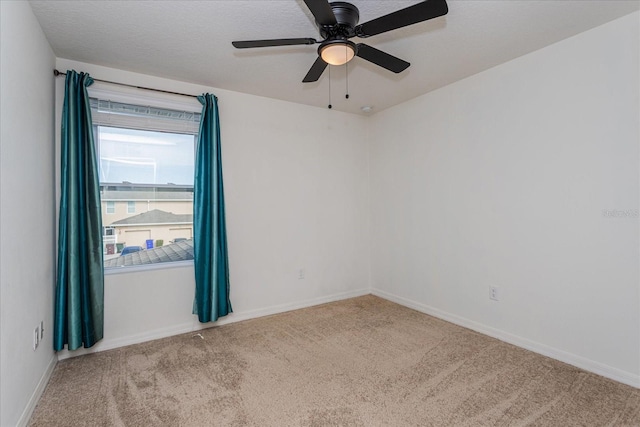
(194, 325)
(554, 353)
(35, 397)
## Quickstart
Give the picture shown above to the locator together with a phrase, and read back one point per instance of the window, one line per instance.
(146, 160)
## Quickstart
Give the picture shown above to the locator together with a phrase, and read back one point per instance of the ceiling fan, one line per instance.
(338, 22)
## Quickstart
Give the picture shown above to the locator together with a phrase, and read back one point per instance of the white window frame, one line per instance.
(110, 208)
(131, 207)
(128, 95)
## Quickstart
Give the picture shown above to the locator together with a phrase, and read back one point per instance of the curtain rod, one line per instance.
(59, 73)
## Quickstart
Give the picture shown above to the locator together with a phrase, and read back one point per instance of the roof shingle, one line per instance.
(180, 251)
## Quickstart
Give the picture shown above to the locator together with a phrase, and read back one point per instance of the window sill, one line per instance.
(147, 267)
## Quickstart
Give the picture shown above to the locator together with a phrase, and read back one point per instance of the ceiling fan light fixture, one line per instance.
(337, 52)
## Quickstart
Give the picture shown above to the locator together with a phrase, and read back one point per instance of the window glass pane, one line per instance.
(145, 157)
(146, 186)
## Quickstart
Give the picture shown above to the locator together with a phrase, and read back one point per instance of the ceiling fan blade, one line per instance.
(423, 11)
(321, 10)
(273, 42)
(316, 71)
(381, 58)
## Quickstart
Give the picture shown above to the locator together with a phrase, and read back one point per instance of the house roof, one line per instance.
(129, 191)
(147, 195)
(180, 251)
(156, 216)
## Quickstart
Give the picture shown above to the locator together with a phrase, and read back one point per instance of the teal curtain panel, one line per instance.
(210, 234)
(79, 303)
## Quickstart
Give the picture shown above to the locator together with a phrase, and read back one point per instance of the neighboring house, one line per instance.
(124, 203)
(120, 201)
(153, 225)
(180, 251)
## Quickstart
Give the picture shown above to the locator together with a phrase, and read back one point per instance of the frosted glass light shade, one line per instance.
(337, 53)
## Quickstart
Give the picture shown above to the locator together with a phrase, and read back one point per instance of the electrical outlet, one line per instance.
(301, 273)
(493, 293)
(36, 337)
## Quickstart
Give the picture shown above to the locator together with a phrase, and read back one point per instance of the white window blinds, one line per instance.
(117, 114)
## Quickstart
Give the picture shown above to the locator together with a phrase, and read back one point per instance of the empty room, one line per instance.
(314, 213)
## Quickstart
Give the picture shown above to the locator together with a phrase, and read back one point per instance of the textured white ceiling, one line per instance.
(191, 41)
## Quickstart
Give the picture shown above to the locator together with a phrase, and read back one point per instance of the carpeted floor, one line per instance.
(359, 362)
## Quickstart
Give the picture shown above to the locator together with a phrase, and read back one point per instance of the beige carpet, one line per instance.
(359, 362)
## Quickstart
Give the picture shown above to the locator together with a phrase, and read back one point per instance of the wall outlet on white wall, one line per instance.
(301, 273)
(36, 337)
(494, 293)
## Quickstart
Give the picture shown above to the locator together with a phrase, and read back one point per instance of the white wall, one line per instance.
(501, 179)
(296, 189)
(27, 251)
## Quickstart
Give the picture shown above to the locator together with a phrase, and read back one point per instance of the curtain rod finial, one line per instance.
(56, 72)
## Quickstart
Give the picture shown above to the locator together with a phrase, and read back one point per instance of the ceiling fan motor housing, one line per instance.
(347, 16)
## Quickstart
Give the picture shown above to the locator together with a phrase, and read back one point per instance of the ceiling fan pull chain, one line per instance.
(347, 72)
(330, 106)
